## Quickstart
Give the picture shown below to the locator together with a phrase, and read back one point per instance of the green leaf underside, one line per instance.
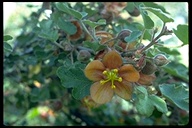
(67, 26)
(95, 24)
(158, 12)
(146, 103)
(176, 94)
(133, 36)
(63, 7)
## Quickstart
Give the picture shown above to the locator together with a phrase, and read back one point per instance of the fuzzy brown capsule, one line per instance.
(149, 68)
(83, 55)
(160, 60)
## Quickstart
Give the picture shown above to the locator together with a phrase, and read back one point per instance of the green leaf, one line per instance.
(67, 26)
(63, 7)
(32, 113)
(144, 106)
(182, 33)
(46, 32)
(158, 12)
(81, 91)
(50, 35)
(7, 37)
(41, 54)
(72, 77)
(148, 22)
(154, 5)
(95, 24)
(130, 7)
(169, 51)
(133, 36)
(177, 94)
(179, 70)
(141, 89)
(46, 24)
(7, 48)
(96, 46)
(159, 103)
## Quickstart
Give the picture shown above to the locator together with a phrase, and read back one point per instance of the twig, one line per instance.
(93, 37)
(154, 40)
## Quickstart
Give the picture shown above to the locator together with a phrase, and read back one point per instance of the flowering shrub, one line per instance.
(89, 64)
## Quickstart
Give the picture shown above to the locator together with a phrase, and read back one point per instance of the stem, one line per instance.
(60, 46)
(93, 37)
(142, 35)
(127, 45)
(110, 40)
(154, 40)
(71, 56)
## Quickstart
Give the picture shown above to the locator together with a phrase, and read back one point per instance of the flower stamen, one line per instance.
(111, 75)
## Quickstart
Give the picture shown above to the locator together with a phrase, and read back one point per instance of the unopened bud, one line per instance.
(149, 68)
(160, 60)
(124, 33)
(135, 12)
(83, 55)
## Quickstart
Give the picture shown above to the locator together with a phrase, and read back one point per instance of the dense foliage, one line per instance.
(51, 70)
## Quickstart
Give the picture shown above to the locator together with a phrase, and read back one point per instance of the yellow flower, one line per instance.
(110, 77)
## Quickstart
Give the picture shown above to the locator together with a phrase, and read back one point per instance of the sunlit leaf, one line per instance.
(7, 37)
(63, 7)
(154, 5)
(148, 22)
(182, 33)
(158, 12)
(7, 49)
(95, 24)
(159, 103)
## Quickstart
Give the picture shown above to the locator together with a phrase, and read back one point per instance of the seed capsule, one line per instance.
(83, 55)
(149, 68)
(160, 60)
(124, 33)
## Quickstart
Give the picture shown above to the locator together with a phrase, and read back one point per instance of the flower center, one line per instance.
(111, 75)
